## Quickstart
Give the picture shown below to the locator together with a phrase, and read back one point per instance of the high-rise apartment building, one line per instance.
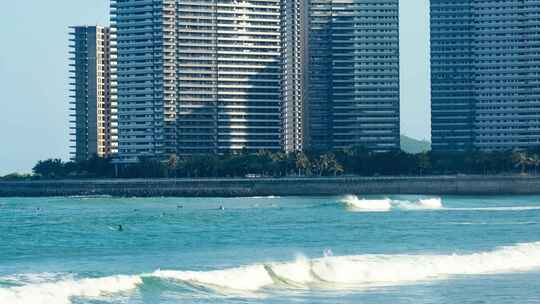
(198, 76)
(485, 68)
(221, 76)
(146, 72)
(318, 127)
(353, 74)
(294, 33)
(93, 104)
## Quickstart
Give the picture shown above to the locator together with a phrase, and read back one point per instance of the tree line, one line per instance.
(356, 161)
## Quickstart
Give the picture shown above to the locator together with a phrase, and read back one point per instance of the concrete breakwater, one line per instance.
(436, 185)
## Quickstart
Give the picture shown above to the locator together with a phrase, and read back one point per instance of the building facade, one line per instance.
(145, 33)
(485, 66)
(294, 33)
(198, 76)
(93, 106)
(353, 79)
(225, 76)
(318, 128)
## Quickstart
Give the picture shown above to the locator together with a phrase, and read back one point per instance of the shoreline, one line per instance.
(241, 187)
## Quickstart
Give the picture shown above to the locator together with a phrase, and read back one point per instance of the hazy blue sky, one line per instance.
(34, 75)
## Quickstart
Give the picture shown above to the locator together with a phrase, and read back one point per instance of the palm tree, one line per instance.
(302, 163)
(327, 164)
(521, 160)
(535, 161)
(334, 166)
(172, 164)
(323, 164)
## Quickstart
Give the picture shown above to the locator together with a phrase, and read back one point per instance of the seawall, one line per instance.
(436, 185)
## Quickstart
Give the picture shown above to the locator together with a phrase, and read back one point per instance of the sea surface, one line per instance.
(335, 250)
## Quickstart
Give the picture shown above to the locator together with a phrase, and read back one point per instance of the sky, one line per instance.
(34, 78)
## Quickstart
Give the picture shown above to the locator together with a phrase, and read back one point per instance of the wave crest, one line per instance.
(421, 204)
(354, 203)
(353, 272)
(61, 292)
(335, 273)
(249, 278)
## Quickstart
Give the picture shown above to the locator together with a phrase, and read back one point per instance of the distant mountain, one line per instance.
(411, 145)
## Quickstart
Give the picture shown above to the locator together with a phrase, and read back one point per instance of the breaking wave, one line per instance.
(61, 292)
(356, 272)
(353, 203)
(33, 278)
(327, 273)
(421, 204)
(356, 204)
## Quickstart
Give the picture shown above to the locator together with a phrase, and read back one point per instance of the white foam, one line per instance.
(61, 292)
(329, 272)
(84, 197)
(266, 197)
(353, 203)
(431, 203)
(35, 278)
(249, 278)
(421, 204)
(356, 272)
(516, 208)
(371, 270)
(356, 204)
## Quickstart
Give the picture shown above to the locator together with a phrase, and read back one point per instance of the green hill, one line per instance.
(411, 145)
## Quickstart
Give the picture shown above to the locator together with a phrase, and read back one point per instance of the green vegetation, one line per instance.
(414, 146)
(17, 177)
(353, 161)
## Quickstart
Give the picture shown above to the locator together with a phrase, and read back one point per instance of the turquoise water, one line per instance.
(398, 249)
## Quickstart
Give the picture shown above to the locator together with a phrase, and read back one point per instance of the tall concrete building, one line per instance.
(221, 76)
(294, 33)
(198, 76)
(318, 127)
(485, 68)
(93, 106)
(353, 74)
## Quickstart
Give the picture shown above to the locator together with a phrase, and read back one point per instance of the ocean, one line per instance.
(323, 250)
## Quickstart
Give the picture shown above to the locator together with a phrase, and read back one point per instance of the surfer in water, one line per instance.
(221, 208)
(120, 228)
